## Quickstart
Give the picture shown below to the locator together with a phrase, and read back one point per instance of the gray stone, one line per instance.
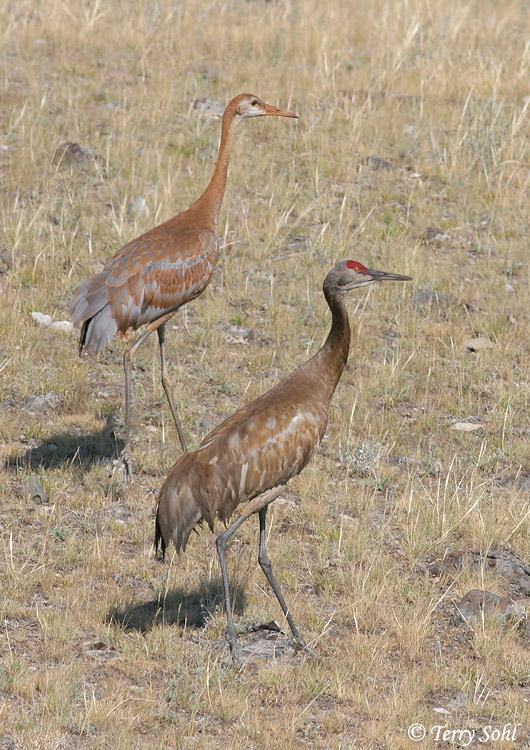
(264, 644)
(72, 154)
(118, 512)
(296, 243)
(477, 604)
(435, 234)
(428, 300)
(138, 208)
(520, 481)
(41, 319)
(478, 343)
(63, 326)
(240, 333)
(466, 426)
(504, 563)
(206, 106)
(32, 488)
(41, 404)
(7, 260)
(206, 423)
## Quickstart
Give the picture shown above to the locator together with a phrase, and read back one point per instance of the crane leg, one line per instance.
(168, 387)
(222, 542)
(266, 567)
(125, 456)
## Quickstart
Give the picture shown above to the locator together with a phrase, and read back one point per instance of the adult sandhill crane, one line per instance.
(250, 456)
(147, 281)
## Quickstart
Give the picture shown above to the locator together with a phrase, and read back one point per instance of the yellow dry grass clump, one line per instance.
(411, 155)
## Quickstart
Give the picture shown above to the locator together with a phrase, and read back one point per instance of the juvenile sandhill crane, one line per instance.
(250, 456)
(147, 281)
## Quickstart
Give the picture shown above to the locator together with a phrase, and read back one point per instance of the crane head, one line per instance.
(350, 274)
(248, 105)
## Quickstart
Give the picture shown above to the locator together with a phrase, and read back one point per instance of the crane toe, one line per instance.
(126, 462)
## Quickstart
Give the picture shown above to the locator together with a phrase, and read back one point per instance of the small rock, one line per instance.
(206, 106)
(479, 342)
(118, 512)
(92, 645)
(477, 603)
(73, 154)
(458, 702)
(138, 208)
(466, 426)
(206, 423)
(520, 481)
(504, 563)
(7, 260)
(111, 391)
(264, 644)
(32, 488)
(40, 404)
(441, 711)
(63, 326)
(409, 411)
(42, 319)
(428, 299)
(102, 653)
(435, 234)
(296, 243)
(240, 333)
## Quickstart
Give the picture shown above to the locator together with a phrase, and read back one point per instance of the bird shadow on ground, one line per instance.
(177, 607)
(62, 449)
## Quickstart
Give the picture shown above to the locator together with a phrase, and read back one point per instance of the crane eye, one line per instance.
(355, 266)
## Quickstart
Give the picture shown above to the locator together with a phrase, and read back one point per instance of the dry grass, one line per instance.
(435, 89)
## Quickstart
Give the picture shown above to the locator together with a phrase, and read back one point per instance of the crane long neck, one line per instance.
(212, 197)
(334, 353)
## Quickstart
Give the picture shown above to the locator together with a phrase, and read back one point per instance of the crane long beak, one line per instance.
(385, 276)
(270, 110)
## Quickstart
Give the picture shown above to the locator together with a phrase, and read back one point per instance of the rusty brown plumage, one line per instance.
(250, 456)
(151, 277)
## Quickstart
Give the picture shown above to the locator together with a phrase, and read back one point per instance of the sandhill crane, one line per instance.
(250, 456)
(147, 281)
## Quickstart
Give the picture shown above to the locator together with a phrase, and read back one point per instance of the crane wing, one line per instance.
(158, 272)
(150, 276)
(261, 446)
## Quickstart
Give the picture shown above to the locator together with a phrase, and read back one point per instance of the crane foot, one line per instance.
(300, 644)
(125, 460)
(231, 637)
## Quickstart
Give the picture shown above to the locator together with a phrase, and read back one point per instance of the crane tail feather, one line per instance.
(91, 311)
(159, 541)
